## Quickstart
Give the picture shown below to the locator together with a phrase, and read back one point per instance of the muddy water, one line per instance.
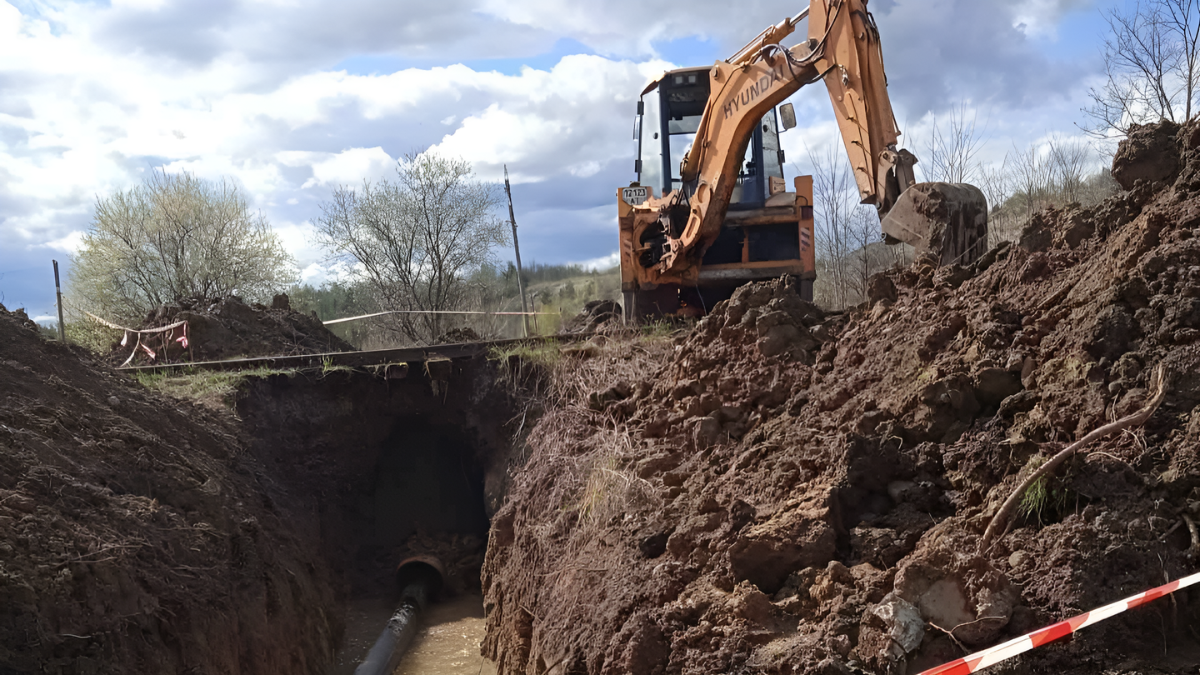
(447, 643)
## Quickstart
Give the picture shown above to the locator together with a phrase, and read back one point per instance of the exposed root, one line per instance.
(998, 521)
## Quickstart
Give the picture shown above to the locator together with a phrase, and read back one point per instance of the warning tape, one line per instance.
(993, 655)
(170, 330)
(436, 311)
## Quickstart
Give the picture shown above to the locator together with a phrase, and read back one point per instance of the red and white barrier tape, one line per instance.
(170, 330)
(1007, 650)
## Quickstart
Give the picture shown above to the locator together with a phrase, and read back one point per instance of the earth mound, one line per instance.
(594, 316)
(136, 533)
(228, 328)
(792, 491)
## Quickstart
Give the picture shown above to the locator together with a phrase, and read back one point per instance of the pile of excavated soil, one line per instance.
(797, 492)
(228, 328)
(136, 533)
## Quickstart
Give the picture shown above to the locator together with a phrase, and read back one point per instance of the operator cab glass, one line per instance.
(667, 123)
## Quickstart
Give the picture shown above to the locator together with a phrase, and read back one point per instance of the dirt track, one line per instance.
(789, 492)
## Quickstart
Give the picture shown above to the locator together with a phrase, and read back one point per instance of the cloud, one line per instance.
(97, 95)
(602, 263)
(349, 167)
(69, 244)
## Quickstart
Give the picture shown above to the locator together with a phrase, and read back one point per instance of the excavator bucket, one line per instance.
(947, 221)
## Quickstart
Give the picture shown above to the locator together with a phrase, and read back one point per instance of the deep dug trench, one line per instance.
(144, 534)
(384, 470)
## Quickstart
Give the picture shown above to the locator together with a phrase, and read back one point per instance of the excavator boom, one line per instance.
(667, 236)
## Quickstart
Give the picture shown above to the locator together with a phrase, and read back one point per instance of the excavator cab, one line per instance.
(768, 231)
(669, 115)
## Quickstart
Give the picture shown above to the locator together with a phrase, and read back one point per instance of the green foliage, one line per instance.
(337, 300)
(92, 336)
(545, 354)
(175, 236)
(1045, 497)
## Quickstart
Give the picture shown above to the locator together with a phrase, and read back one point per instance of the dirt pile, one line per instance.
(228, 328)
(796, 492)
(136, 535)
(595, 316)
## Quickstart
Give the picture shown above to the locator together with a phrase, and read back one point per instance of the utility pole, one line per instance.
(517, 249)
(62, 328)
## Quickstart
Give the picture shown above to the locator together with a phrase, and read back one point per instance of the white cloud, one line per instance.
(96, 96)
(69, 244)
(351, 167)
(602, 263)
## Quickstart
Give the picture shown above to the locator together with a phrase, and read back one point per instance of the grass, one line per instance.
(610, 489)
(328, 367)
(545, 354)
(211, 388)
(1045, 497)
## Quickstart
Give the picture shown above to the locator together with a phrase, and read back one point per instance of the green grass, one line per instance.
(545, 354)
(213, 388)
(1045, 497)
(328, 367)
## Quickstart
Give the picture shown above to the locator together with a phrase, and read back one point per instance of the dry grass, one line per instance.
(211, 388)
(590, 454)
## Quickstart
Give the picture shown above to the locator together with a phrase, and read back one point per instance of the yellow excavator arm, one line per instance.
(842, 50)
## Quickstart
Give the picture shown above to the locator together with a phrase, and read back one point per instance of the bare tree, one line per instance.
(850, 245)
(417, 240)
(1032, 177)
(173, 237)
(1068, 166)
(952, 147)
(1152, 66)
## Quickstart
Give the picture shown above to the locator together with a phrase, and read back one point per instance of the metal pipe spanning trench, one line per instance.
(420, 579)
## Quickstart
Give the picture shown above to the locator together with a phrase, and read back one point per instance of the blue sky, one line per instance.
(291, 100)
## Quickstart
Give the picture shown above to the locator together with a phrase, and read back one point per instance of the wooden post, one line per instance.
(62, 328)
(517, 249)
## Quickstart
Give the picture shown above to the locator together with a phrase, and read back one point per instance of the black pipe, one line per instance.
(421, 581)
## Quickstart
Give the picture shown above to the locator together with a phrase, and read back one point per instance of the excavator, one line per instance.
(710, 209)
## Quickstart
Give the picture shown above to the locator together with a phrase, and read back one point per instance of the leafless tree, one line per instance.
(173, 237)
(950, 154)
(1152, 66)
(1031, 175)
(850, 247)
(1068, 165)
(416, 241)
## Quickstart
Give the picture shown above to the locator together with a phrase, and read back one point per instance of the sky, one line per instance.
(292, 98)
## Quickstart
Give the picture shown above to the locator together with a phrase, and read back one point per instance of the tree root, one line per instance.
(1159, 381)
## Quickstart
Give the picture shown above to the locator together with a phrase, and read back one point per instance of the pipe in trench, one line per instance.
(420, 579)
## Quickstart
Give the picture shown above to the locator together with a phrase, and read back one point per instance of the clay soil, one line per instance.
(782, 490)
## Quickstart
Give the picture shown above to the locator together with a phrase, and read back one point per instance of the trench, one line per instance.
(375, 472)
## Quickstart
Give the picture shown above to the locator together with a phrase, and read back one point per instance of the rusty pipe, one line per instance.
(420, 579)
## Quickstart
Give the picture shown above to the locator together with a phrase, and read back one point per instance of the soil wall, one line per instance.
(786, 491)
(138, 534)
(380, 468)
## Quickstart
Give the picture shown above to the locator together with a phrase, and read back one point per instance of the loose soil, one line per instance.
(147, 534)
(784, 490)
(137, 535)
(227, 328)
